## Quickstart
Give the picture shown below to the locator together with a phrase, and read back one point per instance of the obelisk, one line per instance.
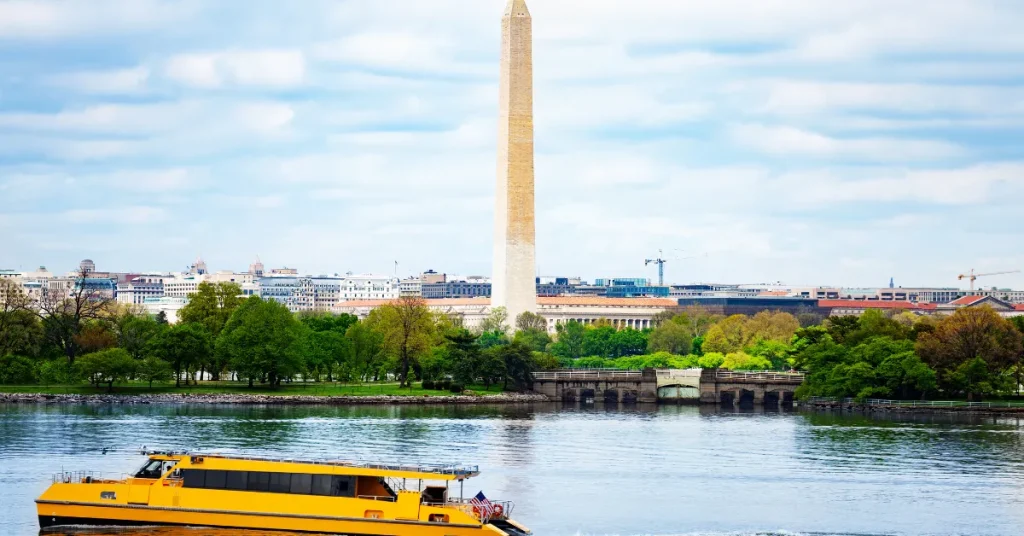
(514, 279)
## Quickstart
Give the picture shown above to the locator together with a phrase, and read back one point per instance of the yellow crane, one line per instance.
(973, 276)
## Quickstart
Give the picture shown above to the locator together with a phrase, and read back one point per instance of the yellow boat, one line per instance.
(250, 492)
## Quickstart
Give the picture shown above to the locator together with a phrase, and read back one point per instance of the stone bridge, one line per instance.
(709, 386)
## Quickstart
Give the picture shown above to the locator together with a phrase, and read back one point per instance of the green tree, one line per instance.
(905, 376)
(492, 365)
(325, 350)
(628, 341)
(464, 355)
(672, 337)
(135, 333)
(406, 327)
(107, 366)
(518, 366)
(528, 321)
(364, 346)
(64, 314)
(777, 353)
(597, 341)
(569, 338)
(182, 345)
(536, 339)
(17, 370)
(490, 339)
(211, 306)
(743, 361)
(261, 340)
(153, 369)
(497, 320)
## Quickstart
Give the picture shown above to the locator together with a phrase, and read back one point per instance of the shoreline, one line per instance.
(267, 400)
(921, 410)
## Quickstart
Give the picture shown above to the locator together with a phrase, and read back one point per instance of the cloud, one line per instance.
(48, 19)
(262, 68)
(791, 141)
(109, 82)
(127, 215)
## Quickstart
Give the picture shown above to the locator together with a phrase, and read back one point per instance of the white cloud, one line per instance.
(38, 19)
(125, 215)
(262, 68)
(110, 82)
(790, 141)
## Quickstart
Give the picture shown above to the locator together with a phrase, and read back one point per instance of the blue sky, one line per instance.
(801, 141)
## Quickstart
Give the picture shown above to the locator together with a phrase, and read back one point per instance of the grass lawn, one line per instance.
(215, 388)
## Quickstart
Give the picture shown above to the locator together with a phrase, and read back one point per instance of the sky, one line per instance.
(793, 141)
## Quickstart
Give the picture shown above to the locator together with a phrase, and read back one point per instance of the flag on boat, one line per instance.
(481, 504)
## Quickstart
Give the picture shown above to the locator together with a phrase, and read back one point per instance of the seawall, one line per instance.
(260, 399)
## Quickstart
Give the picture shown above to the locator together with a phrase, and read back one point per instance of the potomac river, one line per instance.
(668, 470)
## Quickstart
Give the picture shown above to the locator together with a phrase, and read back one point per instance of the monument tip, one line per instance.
(517, 8)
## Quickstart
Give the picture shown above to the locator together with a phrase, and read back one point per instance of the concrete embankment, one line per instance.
(256, 399)
(994, 408)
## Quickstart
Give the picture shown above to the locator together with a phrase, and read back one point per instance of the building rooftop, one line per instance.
(876, 304)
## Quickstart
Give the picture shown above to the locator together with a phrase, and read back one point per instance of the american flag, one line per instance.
(481, 504)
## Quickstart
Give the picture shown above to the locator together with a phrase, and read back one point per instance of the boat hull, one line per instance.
(55, 514)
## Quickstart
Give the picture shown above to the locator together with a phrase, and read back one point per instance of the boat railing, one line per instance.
(376, 498)
(499, 509)
(88, 477)
(456, 470)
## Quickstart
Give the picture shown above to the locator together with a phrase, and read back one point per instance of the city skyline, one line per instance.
(810, 145)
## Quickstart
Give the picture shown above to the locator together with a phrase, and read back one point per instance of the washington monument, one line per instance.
(514, 278)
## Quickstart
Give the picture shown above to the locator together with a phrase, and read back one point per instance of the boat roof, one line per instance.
(397, 469)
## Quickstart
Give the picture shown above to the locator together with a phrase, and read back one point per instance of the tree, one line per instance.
(728, 335)
(211, 306)
(672, 337)
(537, 340)
(698, 319)
(161, 318)
(328, 322)
(770, 326)
(906, 376)
(492, 366)
(364, 346)
(261, 340)
(497, 320)
(182, 345)
(518, 367)
(406, 327)
(94, 337)
(777, 353)
(324, 350)
(107, 366)
(16, 370)
(490, 339)
(153, 369)
(464, 355)
(968, 335)
(628, 341)
(20, 331)
(528, 321)
(135, 333)
(597, 341)
(569, 340)
(63, 312)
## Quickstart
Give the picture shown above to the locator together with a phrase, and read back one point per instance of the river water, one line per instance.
(668, 470)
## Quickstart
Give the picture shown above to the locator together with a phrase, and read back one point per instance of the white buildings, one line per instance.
(184, 285)
(167, 305)
(369, 287)
(141, 287)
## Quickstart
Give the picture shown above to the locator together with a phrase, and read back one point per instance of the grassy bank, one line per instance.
(238, 388)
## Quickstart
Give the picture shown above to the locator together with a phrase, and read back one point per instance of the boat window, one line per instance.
(280, 482)
(343, 486)
(152, 469)
(215, 479)
(237, 480)
(321, 484)
(259, 482)
(193, 478)
(302, 484)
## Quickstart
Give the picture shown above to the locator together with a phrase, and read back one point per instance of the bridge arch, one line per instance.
(678, 393)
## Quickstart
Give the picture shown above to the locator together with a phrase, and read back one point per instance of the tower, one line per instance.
(514, 283)
(256, 268)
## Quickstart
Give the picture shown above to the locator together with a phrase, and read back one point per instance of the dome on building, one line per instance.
(87, 266)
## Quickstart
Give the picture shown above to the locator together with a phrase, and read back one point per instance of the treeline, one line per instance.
(971, 354)
(694, 338)
(220, 336)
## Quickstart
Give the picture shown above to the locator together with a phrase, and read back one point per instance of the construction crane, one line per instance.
(973, 276)
(660, 261)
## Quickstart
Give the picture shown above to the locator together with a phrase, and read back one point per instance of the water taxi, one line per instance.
(251, 492)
